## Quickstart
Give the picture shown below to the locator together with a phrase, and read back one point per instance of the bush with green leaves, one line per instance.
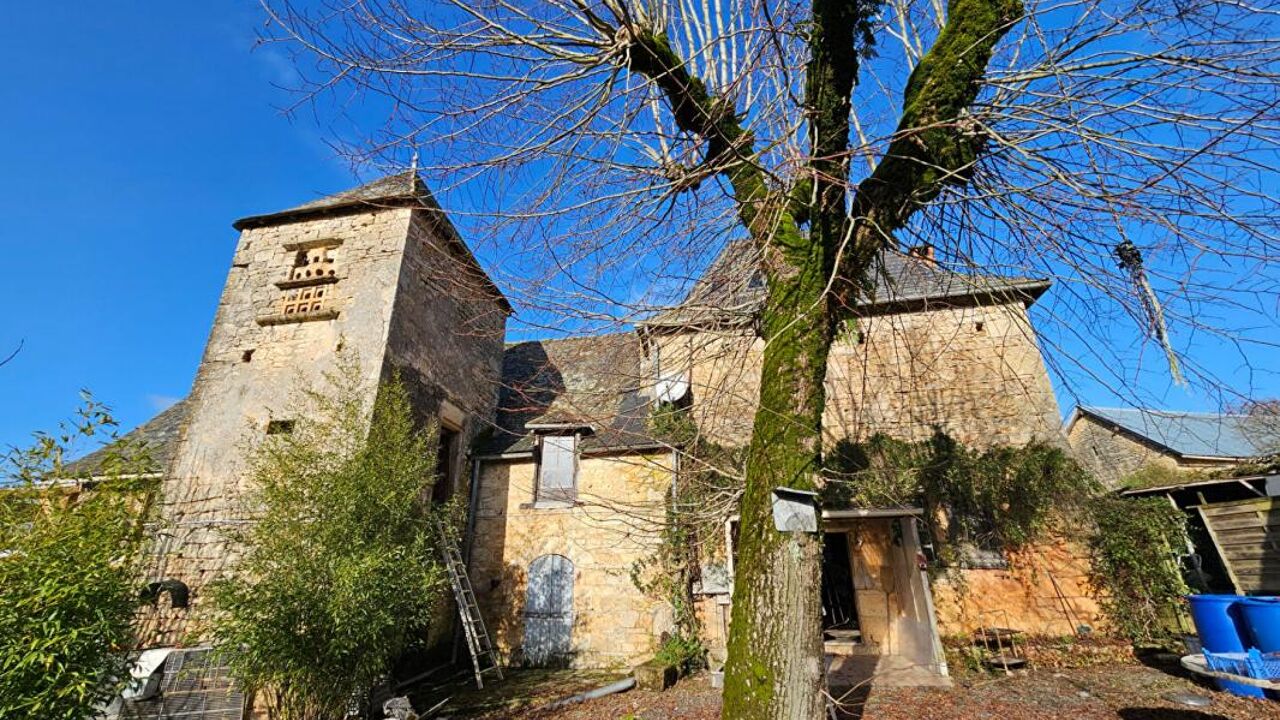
(70, 564)
(1135, 546)
(341, 573)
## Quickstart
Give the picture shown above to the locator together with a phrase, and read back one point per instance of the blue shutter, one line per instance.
(548, 611)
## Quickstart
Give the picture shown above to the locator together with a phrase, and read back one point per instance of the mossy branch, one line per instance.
(934, 144)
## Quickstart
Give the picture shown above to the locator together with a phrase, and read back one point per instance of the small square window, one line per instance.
(280, 427)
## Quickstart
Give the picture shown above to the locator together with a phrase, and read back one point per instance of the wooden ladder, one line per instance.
(484, 658)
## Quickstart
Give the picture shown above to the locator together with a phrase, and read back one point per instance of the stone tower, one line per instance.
(378, 271)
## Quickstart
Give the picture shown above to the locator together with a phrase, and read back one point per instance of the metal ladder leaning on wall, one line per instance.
(484, 658)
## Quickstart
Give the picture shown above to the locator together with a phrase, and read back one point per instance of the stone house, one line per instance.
(1117, 442)
(552, 442)
(1223, 471)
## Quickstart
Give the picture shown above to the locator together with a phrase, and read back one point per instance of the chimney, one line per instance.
(921, 252)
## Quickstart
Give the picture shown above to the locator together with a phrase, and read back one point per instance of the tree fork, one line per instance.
(933, 145)
(775, 667)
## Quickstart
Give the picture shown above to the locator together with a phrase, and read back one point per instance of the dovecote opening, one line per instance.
(307, 290)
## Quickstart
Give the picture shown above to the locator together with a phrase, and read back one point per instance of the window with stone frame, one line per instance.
(558, 468)
(308, 289)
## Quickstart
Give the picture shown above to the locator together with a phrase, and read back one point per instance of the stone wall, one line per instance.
(1113, 454)
(446, 335)
(975, 372)
(1044, 591)
(615, 523)
(251, 371)
(383, 307)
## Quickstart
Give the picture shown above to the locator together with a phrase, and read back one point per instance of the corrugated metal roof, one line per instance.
(1197, 434)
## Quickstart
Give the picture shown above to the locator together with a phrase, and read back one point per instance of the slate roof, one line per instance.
(158, 437)
(404, 189)
(732, 289)
(398, 190)
(591, 381)
(1194, 434)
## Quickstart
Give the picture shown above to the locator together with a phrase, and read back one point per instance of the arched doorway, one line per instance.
(548, 611)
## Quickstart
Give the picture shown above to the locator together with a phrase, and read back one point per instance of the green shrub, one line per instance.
(1151, 475)
(685, 653)
(340, 574)
(70, 555)
(1135, 546)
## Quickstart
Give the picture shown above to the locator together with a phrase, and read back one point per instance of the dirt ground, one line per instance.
(1125, 691)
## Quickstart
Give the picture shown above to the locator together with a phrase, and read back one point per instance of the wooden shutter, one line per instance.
(557, 473)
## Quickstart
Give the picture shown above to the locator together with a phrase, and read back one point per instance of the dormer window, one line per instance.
(558, 469)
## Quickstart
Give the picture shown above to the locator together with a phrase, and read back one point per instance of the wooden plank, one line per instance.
(1213, 536)
(1240, 513)
(1246, 534)
(1264, 503)
(1238, 524)
(1242, 553)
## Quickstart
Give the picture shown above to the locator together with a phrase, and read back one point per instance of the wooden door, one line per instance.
(548, 611)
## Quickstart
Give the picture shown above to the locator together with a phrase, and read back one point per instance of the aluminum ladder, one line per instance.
(484, 658)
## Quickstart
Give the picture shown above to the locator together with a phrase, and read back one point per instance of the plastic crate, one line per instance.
(1254, 664)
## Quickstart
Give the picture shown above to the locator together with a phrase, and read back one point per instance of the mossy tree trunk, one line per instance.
(816, 253)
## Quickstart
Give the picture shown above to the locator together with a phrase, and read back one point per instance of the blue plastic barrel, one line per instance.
(1262, 622)
(1222, 630)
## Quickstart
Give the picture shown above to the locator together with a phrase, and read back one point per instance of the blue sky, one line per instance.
(132, 135)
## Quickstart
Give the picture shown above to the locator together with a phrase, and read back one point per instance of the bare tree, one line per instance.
(8, 358)
(1129, 146)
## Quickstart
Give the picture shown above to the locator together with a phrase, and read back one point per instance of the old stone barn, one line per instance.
(554, 443)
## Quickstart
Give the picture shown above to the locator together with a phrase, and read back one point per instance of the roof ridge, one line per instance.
(399, 186)
(1167, 413)
(578, 338)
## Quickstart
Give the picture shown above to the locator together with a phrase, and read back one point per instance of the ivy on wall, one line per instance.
(1135, 543)
(702, 497)
(1004, 497)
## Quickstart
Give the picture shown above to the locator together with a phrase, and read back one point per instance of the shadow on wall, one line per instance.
(507, 614)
